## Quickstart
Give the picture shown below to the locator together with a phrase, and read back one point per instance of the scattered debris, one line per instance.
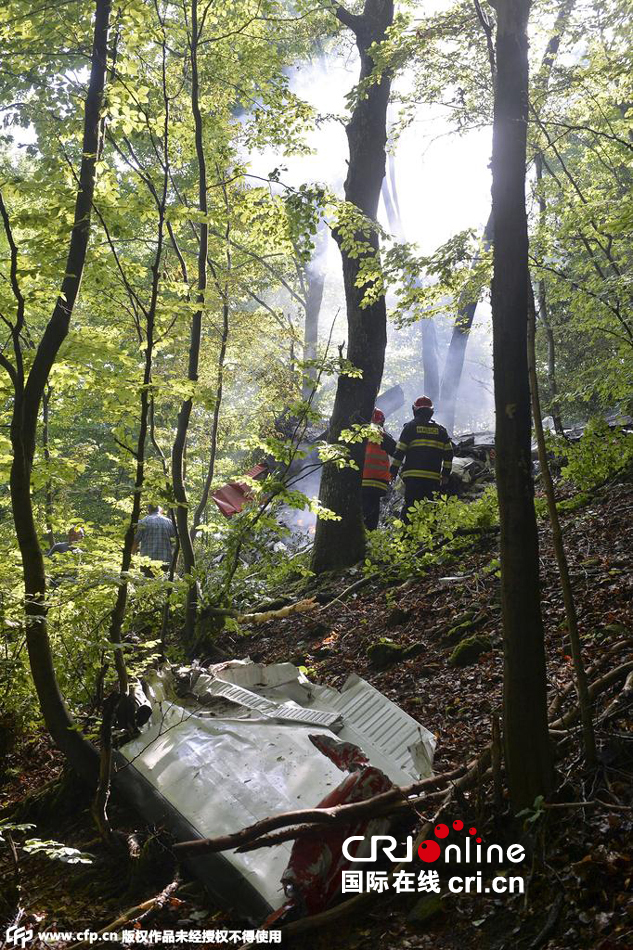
(238, 741)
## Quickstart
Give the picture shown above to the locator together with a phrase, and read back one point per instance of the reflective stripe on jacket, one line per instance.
(376, 467)
(424, 451)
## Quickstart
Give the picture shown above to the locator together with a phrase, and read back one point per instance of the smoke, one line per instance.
(443, 184)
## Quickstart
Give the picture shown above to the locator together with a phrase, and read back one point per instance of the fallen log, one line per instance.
(301, 607)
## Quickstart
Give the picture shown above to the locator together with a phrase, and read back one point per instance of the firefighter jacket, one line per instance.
(424, 451)
(376, 467)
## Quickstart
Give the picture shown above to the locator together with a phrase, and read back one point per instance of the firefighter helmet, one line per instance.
(422, 403)
(378, 416)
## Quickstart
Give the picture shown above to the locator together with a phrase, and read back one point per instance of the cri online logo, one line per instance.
(18, 935)
(429, 850)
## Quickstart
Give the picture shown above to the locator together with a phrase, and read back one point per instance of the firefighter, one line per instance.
(423, 456)
(376, 475)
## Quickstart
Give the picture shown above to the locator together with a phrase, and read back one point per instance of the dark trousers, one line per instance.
(415, 489)
(371, 506)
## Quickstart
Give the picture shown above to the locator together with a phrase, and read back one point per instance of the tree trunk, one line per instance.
(215, 423)
(541, 84)
(527, 747)
(314, 286)
(48, 496)
(219, 389)
(456, 353)
(179, 448)
(430, 366)
(580, 676)
(118, 612)
(339, 544)
(543, 312)
(146, 338)
(28, 394)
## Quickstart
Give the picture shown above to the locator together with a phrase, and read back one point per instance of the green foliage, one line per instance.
(438, 530)
(54, 850)
(262, 238)
(535, 814)
(600, 453)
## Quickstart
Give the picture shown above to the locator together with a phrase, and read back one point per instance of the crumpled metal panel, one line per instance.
(221, 773)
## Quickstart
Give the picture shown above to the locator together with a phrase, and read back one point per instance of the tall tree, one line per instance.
(312, 283)
(182, 427)
(571, 616)
(145, 324)
(456, 353)
(29, 388)
(340, 543)
(527, 747)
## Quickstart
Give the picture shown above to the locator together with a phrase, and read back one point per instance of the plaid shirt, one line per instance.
(154, 534)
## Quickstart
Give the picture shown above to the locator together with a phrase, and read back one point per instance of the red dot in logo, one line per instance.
(478, 840)
(458, 825)
(429, 851)
(441, 831)
(472, 831)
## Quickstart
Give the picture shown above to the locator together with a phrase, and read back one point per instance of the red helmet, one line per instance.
(378, 416)
(422, 403)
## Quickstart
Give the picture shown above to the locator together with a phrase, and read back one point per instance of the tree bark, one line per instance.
(219, 388)
(314, 286)
(46, 450)
(526, 740)
(28, 394)
(339, 544)
(543, 311)
(456, 353)
(580, 675)
(178, 451)
(430, 363)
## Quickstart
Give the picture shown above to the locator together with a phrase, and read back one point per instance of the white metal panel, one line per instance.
(223, 773)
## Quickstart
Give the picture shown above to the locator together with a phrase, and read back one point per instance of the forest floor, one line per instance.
(578, 883)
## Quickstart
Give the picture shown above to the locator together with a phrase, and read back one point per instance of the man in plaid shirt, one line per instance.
(153, 537)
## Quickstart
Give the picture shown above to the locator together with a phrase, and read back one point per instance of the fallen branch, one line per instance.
(138, 912)
(357, 585)
(550, 924)
(620, 702)
(593, 803)
(301, 607)
(394, 800)
(315, 831)
(355, 903)
(257, 835)
(592, 670)
(337, 814)
(595, 688)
